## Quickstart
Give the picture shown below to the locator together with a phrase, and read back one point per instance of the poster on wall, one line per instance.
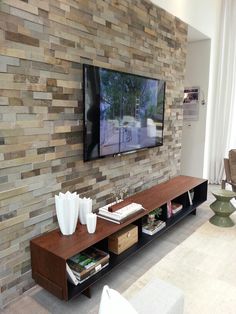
(191, 104)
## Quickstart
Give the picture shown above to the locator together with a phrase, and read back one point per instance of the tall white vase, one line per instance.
(85, 205)
(67, 210)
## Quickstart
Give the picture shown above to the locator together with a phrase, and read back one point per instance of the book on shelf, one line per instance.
(70, 275)
(120, 215)
(91, 271)
(190, 197)
(169, 209)
(122, 212)
(109, 219)
(97, 270)
(88, 262)
(73, 278)
(154, 227)
(118, 220)
(176, 207)
(173, 208)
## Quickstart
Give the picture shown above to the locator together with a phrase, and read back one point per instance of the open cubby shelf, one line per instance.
(49, 252)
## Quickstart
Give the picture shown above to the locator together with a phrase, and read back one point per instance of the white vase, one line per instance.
(67, 210)
(85, 205)
(91, 220)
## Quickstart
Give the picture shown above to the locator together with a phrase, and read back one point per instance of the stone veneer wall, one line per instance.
(43, 45)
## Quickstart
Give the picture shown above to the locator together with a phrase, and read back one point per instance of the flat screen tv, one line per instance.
(122, 112)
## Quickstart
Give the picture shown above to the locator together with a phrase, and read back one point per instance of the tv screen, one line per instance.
(122, 112)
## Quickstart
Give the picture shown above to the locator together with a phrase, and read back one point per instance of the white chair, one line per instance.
(157, 296)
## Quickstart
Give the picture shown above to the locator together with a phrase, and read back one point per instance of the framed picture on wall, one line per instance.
(191, 103)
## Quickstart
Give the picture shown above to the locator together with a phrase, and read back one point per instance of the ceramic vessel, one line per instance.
(91, 220)
(85, 205)
(67, 210)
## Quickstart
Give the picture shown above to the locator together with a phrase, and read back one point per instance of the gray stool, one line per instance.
(223, 208)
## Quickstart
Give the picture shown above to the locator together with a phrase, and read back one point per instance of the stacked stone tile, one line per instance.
(43, 46)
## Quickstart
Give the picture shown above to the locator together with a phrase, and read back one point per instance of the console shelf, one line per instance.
(49, 252)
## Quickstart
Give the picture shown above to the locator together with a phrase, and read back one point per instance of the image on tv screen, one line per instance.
(122, 112)
(131, 112)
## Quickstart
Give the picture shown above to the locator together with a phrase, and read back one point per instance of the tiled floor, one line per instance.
(38, 300)
(202, 266)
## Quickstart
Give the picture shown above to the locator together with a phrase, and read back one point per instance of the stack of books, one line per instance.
(85, 264)
(120, 215)
(175, 207)
(154, 227)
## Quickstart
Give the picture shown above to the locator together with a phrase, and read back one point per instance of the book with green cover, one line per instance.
(84, 263)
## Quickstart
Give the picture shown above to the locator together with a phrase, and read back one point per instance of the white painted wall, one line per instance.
(203, 15)
(193, 136)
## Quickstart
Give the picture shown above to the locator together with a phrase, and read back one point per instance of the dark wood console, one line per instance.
(49, 252)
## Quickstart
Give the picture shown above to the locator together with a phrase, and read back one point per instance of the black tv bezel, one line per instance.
(84, 120)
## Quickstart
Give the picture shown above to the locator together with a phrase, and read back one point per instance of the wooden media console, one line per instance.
(50, 251)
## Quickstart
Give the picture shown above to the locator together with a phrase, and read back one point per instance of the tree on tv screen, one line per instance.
(128, 95)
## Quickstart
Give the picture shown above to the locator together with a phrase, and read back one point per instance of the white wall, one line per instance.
(203, 15)
(193, 137)
(200, 14)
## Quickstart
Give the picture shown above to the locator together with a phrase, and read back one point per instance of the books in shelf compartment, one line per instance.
(121, 215)
(76, 281)
(173, 208)
(85, 264)
(152, 228)
(117, 220)
(70, 275)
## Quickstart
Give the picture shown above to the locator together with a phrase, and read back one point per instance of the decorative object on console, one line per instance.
(118, 205)
(67, 210)
(123, 239)
(85, 205)
(151, 224)
(91, 220)
(153, 215)
(151, 218)
(120, 192)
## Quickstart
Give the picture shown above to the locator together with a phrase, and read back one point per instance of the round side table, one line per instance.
(223, 208)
